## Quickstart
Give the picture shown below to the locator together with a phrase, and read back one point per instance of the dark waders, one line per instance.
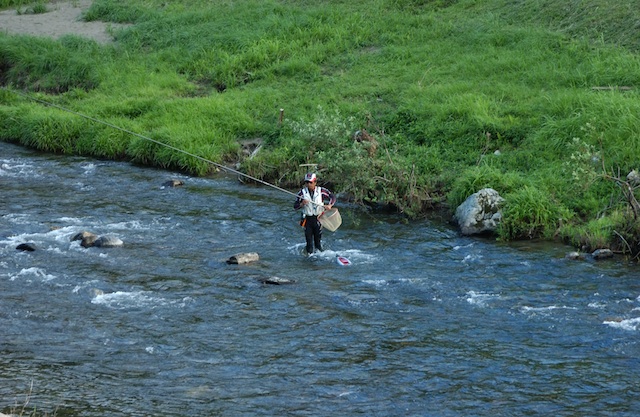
(312, 233)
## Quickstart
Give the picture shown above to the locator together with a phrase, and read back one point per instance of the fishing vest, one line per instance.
(313, 209)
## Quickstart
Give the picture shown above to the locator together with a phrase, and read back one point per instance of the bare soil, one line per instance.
(62, 18)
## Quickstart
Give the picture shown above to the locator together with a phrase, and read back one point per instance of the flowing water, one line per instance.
(424, 322)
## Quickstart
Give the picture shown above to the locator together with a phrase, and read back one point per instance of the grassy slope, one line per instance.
(436, 86)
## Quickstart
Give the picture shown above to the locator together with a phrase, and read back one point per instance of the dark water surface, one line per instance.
(423, 323)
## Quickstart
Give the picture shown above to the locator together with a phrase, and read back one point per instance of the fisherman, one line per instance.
(311, 199)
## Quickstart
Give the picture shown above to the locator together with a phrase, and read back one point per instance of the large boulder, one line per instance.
(87, 238)
(480, 213)
(599, 254)
(82, 235)
(108, 242)
(90, 239)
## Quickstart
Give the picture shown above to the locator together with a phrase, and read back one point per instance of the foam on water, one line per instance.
(88, 167)
(70, 220)
(628, 324)
(376, 282)
(547, 308)
(121, 300)
(18, 168)
(78, 287)
(354, 255)
(384, 282)
(17, 218)
(480, 299)
(46, 240)
(29, 274)
(458, 247)
(130, 225)
(471, 258)
(124, 299)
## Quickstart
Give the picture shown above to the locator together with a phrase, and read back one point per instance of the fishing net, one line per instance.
(330, 219)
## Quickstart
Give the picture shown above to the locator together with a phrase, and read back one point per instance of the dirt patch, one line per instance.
(62, 18)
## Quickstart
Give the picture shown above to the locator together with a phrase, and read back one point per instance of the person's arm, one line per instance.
(328, 195)
(298, 203)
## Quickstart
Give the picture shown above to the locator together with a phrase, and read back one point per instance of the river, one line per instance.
(424, 322)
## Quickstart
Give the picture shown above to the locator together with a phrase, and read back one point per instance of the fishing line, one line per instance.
(93, 119)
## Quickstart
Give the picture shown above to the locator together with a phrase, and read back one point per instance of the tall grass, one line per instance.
(531, 212)
(610, 22)
(54, 67)
(427, 101)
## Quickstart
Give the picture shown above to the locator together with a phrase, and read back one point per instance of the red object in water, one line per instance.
(343, 261)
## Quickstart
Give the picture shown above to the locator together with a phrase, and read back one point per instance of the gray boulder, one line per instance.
(108, 242)
(599, 254)
(243, 258)
(633, 177)
(480, 213)
(88, 239)
(91, 239)
(81, 235)
(277, 281)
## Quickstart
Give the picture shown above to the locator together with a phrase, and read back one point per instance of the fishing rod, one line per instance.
(93, 119)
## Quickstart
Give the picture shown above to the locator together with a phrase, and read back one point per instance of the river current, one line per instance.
(424, 322)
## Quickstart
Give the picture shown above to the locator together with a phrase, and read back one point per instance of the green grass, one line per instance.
(4, 4)
(437, 87)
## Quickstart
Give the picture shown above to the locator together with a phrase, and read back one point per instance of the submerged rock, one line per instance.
(277, 281)
(173, 183)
